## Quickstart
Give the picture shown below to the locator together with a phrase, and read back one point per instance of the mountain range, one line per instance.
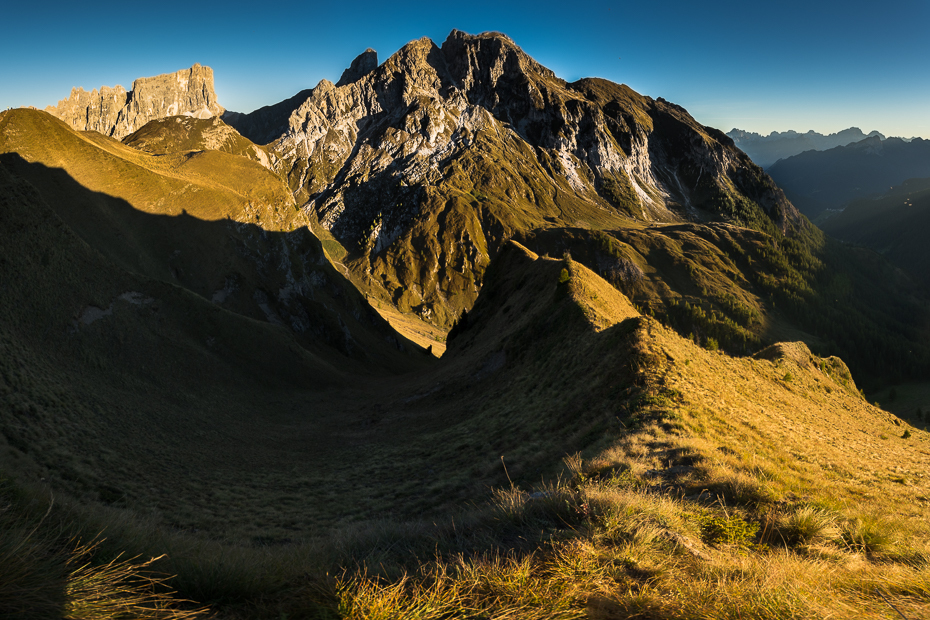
(450, 337)
(766, 150)
(819, 182)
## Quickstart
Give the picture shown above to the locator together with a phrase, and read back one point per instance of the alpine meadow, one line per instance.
(450, 338)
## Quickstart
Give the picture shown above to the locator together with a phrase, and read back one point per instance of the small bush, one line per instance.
(729, 530)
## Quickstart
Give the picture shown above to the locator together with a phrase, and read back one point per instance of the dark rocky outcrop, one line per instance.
(364, 63)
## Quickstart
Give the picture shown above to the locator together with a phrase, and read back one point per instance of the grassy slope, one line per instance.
(117, 410)
(724, 487)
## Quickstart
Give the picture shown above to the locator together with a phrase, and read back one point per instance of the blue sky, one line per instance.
(789, 65)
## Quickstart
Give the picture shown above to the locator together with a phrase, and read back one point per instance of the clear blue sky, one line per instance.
(775, 66)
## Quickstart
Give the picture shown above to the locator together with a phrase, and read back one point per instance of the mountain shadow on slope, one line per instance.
(278, 277)
(133, 392)
(895, 225)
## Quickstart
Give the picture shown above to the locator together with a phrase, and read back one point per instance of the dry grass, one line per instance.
(120, 588)
(44, 574)
(634, 553)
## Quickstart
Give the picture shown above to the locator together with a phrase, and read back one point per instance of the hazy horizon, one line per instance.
(802, 67)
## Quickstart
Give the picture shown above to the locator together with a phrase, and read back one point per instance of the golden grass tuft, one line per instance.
(43, 574)
(120, 588)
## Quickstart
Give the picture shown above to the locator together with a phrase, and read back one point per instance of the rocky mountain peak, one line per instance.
(441, 153)
(416, 69)
(116, 113)
(479, 62)
(364, 63)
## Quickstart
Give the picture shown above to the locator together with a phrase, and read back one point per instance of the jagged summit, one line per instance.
(364, 63)
(117, 113)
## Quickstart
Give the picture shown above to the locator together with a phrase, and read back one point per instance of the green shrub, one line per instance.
(729, 530)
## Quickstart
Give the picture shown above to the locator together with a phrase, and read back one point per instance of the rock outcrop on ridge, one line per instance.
(117, 113)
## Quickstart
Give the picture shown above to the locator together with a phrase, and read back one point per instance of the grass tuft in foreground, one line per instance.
(44, 574)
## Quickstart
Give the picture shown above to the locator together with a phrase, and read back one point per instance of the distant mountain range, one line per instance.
(818, 181)
(766, 150)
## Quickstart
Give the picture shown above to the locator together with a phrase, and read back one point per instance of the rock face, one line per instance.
(364, 63)
(117, 113)
(423, 166)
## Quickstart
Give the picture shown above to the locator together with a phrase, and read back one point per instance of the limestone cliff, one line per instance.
(117, 113)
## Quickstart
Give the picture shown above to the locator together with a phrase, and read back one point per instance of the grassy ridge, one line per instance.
(741, 289)
(180, 134)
